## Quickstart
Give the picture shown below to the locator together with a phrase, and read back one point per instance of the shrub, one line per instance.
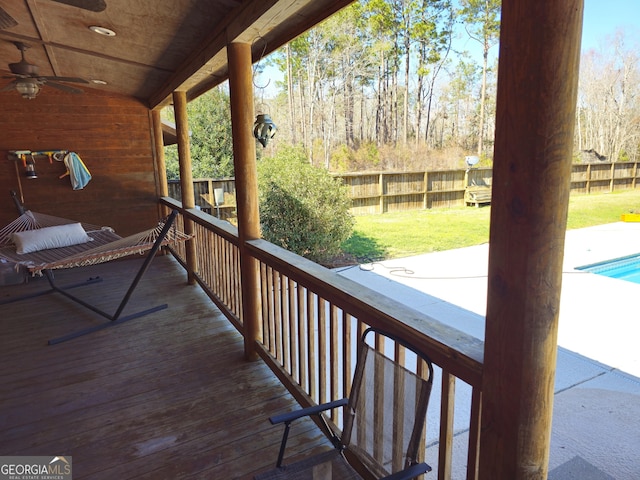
(302, 208)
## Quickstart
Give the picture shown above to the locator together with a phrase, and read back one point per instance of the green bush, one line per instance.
(302, 208)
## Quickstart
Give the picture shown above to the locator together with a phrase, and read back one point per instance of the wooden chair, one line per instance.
(384, 419)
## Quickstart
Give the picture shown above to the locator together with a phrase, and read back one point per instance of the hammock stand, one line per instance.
(110, 246)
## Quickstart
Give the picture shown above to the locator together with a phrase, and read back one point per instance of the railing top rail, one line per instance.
(221, 227)
(459, 353)
(171, 203)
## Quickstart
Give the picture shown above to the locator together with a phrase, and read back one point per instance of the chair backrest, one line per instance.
(385, 419)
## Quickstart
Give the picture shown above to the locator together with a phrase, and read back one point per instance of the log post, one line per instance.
(537, 89)
(158, 147)
(244, 161)
(186, 176)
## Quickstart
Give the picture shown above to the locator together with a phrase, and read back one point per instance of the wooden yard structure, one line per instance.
(295, 316)
(390, 191)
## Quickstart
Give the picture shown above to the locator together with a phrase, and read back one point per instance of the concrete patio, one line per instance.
(596, 425)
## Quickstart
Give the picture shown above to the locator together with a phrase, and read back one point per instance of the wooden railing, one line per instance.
(217, 258)
(311, 319)
(380, 192)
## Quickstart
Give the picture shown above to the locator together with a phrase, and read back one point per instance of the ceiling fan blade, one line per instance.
(9, 86)
(66, 79)
(64, 88)
(91, 5)
(6, 20)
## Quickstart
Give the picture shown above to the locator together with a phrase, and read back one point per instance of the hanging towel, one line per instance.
(78, 171)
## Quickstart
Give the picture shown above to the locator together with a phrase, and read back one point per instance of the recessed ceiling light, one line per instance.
(98, 82)
(102, 31)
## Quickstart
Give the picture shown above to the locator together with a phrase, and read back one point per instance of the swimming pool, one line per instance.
(626, 268)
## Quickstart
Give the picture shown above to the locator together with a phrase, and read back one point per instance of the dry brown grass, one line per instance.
(397, 158)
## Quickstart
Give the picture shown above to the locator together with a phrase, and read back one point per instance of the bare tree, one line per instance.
(482, 19)
(608, 118)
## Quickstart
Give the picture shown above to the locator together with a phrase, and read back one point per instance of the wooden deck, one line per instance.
(164, 396)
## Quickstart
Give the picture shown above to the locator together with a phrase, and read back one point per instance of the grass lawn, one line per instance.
(402, 234)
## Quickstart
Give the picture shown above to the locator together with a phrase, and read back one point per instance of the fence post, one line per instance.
(613, 176)
(425, 190)
(381, 191)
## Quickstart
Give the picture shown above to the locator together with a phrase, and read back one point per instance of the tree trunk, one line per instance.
(290, 96)
(483, 98)
(419, 107)
(407, 62)
(348, 111)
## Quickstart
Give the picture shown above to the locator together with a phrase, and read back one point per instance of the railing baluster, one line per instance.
(445, 451)
(274, 295)
(224, 256)
(293, 336)
(284, 319)
(302, 341)
(347, 352)
(334, 363)
(474, 434)
(422, 371)
(378, 397)
(311, 343)
(266, 324)
(322, 349)
(398, 400)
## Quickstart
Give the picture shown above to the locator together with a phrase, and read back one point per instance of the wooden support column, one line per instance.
(186, 176)
(158, 145)
(244, 161)
(537, 89)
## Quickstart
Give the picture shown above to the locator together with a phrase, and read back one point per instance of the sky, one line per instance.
(603, 17)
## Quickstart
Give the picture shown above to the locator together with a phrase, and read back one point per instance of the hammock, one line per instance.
(105, 246)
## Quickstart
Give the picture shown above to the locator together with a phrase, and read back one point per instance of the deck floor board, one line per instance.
(167, 395)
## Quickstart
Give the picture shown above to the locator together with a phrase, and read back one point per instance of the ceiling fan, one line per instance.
(28, 82)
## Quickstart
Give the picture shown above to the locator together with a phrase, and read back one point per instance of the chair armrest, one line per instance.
(304, 412)
(289, 417)
(409, 472)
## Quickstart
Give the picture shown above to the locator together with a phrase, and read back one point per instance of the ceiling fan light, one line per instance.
(107, 32)
(28, 88)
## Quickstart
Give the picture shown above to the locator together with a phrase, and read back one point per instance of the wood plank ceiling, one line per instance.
(160, 45)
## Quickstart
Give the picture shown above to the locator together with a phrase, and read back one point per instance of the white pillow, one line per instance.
(50, 237)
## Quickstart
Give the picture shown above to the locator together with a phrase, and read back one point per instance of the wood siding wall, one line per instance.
(111, 134)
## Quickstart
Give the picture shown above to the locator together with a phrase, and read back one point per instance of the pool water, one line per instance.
(627, 268)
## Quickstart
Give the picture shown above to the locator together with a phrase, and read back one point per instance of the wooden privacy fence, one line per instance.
(214, 196)
(380, 192)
